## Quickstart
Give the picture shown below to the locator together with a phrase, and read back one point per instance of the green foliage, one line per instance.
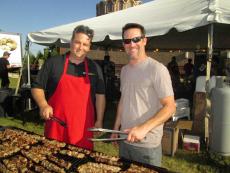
(32, 58)
(51, 51)
(54, 52)
(40, 55)
(46, 53)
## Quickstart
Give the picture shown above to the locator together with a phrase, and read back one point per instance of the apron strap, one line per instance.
(86, 69)
(66, 63)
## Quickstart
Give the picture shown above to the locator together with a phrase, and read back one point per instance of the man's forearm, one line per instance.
(162, 115)
(39, 97)
(117, 123)
(100, 106)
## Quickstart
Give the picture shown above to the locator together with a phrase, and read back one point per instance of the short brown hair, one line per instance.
(133, 25)
(6, 53)
(83, 29)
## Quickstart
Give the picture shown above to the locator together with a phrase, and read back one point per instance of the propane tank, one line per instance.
(220, 109)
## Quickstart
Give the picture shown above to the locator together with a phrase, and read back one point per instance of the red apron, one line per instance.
(71, 102)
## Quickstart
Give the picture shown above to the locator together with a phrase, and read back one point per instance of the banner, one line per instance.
(11, 42)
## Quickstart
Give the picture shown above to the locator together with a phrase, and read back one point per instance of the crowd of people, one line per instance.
(175, 73)
(181, 77)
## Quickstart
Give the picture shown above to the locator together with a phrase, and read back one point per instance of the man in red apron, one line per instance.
(74, 84)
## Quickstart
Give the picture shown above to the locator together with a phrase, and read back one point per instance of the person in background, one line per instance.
(146, 102)
(109, 76)
(188, 69)
(4, 66)
(75, 90)
(174, 72)
(173, 67)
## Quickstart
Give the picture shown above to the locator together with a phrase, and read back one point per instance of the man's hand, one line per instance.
(98, 124)
(136, 134)
(46, 112)
(112, 136)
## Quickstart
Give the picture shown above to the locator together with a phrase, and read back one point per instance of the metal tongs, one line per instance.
(62, 123)
(107, 131)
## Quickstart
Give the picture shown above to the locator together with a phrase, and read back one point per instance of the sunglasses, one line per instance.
(134, 40)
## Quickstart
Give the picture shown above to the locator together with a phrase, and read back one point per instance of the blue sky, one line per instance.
(24, 16)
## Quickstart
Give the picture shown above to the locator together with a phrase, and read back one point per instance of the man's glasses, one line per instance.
(134, 40)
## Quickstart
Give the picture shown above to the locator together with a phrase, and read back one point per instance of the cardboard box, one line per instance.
(170, 135)
(199, 106)
(170, 141)
(191, 143)
(198, 127)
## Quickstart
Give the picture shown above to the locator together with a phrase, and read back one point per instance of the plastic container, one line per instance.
(201, 84)
(191, 143)
(182, 109)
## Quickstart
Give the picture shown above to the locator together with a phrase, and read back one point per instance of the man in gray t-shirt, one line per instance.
(147, 100)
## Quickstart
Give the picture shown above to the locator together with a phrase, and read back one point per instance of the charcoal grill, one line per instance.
(89, 156)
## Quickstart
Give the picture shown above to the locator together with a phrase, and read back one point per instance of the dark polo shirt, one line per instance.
(50, 75)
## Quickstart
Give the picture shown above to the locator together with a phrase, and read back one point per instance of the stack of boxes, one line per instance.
(171, 135)
(199, 112)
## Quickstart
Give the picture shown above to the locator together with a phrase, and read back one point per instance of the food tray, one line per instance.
(44, 155)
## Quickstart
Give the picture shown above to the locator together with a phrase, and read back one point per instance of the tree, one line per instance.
(40, 55)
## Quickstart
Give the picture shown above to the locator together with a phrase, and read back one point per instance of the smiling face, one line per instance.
(80, 46)
(136, 48)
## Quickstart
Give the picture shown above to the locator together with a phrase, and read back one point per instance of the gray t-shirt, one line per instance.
(142, 87)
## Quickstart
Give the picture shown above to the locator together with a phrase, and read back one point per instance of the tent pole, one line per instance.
(208, 73)
(28, 70)
(21, 69)
(18, 82)
(28, 67)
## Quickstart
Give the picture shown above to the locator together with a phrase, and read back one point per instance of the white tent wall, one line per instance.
(170, 24)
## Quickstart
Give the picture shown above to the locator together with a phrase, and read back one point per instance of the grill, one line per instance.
(23, 151)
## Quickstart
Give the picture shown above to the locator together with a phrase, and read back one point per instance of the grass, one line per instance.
(182, 161)
(13, 82)
(16, 122)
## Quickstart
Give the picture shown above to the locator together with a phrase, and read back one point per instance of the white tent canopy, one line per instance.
(170, 24)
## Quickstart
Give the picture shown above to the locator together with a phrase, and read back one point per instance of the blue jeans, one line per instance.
(151, 156)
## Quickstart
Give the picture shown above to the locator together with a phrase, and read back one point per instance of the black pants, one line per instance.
(5, 80)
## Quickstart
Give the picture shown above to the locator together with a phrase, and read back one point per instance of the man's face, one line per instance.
(80, 45)
(134, 50)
